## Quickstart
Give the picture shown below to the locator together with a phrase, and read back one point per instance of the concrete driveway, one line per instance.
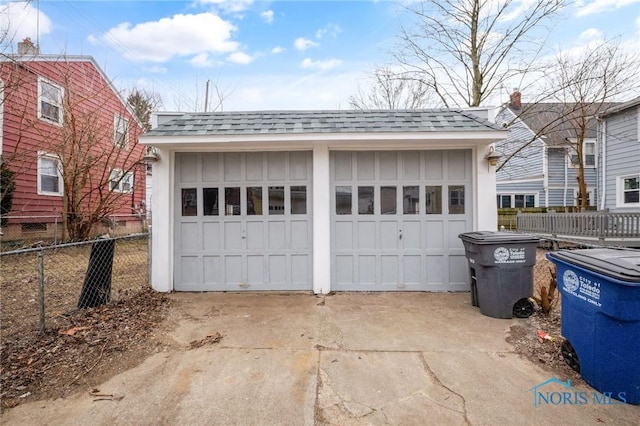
(344, 359)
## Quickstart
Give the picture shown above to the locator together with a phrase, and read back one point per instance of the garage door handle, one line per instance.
(399, 234)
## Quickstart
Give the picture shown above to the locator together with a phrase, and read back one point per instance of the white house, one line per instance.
(319, 200)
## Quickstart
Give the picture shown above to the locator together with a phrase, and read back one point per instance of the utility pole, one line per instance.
(206, 96)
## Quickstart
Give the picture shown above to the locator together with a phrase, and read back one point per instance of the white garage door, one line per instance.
(243, 221)
(396, 217)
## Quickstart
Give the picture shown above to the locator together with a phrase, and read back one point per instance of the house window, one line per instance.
(120, 131)
(509, 201)
(120, 181)
(49, 175)
(50, 102)
(628, 191)
(588, 154)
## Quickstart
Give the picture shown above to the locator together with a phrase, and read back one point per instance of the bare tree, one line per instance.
(391, 91)
(579, 86)
(99, 161)
(465, 51)
(590, 80)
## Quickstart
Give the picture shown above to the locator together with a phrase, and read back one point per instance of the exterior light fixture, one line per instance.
(493, 156)
(151, 156)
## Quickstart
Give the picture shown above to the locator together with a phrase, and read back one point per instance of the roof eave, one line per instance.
(476, 137)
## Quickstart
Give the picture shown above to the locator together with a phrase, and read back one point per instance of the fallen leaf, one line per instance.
(73, 331)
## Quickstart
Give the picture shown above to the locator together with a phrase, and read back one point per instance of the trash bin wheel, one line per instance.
(570, 356)
(523, 308)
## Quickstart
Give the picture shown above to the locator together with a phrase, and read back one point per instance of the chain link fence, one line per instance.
(41, 285)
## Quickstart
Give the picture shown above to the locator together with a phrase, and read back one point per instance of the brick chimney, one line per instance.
(515, 100)
(26, 47)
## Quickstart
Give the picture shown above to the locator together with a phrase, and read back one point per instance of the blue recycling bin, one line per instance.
(601, 317)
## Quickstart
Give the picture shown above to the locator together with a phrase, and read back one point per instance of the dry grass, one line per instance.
(64, 272)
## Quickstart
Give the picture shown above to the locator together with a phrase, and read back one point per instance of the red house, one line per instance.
(71, 143)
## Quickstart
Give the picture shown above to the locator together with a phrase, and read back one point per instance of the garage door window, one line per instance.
(276, 200)
(232, 201)
(254, 201)
(388, 200)
(411, 200)
(433, 196)
(343, 200)
(456, 199)
(365, 200)
(210, 201)
(189, 202)
(298, 200)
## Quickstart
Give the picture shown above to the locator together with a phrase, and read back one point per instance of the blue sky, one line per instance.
(260, 54)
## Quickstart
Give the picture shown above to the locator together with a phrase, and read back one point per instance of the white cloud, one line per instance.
(329, 30)
(203, 60)
(179, 35)
(277, 50)
(19, 20)
(598, 6)
(229, 6)
(302, 43)
(590, 34)
(156, 69)
(240, 58)
(267, 16)
(320, 65)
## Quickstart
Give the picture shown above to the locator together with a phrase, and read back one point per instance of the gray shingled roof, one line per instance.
(310, 122)
(556, 122)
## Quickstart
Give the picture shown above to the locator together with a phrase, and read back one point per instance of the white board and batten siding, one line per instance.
(243, 221)
(396, 217)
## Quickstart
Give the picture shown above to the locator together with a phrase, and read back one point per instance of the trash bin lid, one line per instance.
(495, 237)
(621, 264)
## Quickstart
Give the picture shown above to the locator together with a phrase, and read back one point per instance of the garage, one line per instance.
(396, 217)
(319, 200)
(243, 221)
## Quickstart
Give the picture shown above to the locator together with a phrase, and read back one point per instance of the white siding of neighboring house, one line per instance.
(622, 152)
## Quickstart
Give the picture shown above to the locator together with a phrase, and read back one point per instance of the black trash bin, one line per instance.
(501, 272)
(601, 317)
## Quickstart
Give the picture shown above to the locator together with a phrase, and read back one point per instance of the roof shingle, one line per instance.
(310, 122)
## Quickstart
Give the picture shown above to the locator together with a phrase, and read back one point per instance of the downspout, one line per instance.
(566, 183)
(603, 171)
(545, 174)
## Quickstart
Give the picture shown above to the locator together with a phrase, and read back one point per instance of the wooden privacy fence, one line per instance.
(604, 227)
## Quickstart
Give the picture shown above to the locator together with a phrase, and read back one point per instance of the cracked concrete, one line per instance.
(345, 359)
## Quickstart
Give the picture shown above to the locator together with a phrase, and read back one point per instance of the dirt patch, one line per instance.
(525, 336)
(85, 348)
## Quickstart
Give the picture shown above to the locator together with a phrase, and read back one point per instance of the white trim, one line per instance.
(321, 219)
(60, 105)
(56, 158)
(347, 141)
(512, 202)
(571, 151)
(118, 120)
(545, 173)
(620, 191)
(603, 168)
